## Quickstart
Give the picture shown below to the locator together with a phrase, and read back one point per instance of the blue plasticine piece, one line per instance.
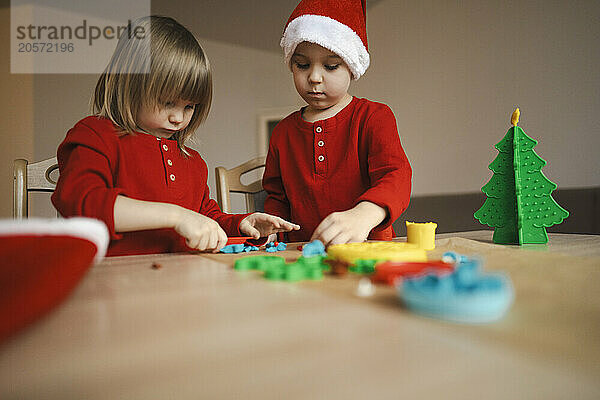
(466, 295)
(233, 248)
(314, 248)
(452, 257)
(238, 248)
(271, 247)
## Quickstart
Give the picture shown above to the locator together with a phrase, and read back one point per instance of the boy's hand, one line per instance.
(200, 232)
(348, 226)
(260, 225)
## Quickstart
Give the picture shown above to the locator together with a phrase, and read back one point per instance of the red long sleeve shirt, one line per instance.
(97, 163)
(314, 169)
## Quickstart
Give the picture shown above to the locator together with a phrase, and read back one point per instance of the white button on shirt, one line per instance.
(319, 129)
(165, 147)
(172, 177)
(170, 162)
(321, 158)
(321, 143)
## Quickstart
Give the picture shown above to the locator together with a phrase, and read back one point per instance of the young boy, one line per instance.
(336, 167)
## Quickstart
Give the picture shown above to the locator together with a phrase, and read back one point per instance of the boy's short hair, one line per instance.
(175, 68)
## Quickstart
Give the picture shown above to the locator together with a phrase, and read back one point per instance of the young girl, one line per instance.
(337, 166)
(128, 165)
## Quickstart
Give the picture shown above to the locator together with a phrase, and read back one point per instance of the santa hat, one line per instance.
(337, 25)
(41, 262)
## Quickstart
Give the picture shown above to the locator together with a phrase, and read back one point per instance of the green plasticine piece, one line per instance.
(260, 263)
(363, 266)
(316, 261)
(296, 271)
(275, 267)
(519, 205)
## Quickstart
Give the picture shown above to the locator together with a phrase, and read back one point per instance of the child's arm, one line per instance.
(200, 232)
(353, 225)
(256, 225)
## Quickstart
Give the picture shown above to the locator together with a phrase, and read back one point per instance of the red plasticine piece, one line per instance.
(388, 272)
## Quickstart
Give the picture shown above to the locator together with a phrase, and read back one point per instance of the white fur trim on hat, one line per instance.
(89, 229)
(332, 35)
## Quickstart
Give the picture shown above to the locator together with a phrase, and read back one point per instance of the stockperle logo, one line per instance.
(72, 36)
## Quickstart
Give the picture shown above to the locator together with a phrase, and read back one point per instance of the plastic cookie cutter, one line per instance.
(237, 239)
(466, 295)
(241, 244)
(390, 272)
(381, 251)
(249, 240)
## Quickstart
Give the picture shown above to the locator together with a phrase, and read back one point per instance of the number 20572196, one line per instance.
(45, 47)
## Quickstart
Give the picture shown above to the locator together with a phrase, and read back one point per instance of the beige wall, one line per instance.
(246, 84)
(16, 127)
(452, 72)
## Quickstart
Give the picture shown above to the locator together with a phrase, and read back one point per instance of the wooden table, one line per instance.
(197, 329)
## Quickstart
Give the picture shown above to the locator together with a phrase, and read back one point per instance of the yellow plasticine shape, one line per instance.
(421, 234)
(384, 251)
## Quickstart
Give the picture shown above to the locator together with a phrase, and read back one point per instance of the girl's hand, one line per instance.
(200, 232)
(351, 225)
(260, 225)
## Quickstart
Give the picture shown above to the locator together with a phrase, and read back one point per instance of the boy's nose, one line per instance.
(315, 76)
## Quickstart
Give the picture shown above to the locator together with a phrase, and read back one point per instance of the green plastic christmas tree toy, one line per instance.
(519, 206)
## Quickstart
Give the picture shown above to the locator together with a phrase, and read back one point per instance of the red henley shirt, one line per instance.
(96, 164)
(314, 169)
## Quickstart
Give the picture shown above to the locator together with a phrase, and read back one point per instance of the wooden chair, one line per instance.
(228, 181)
(31, 178)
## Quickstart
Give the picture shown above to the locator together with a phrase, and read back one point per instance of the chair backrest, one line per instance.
(228, 181)
(33, 177)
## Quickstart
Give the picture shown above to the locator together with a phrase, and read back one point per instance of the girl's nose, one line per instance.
(176, 116)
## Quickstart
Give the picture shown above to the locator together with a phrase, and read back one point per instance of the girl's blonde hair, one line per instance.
(157, 60)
